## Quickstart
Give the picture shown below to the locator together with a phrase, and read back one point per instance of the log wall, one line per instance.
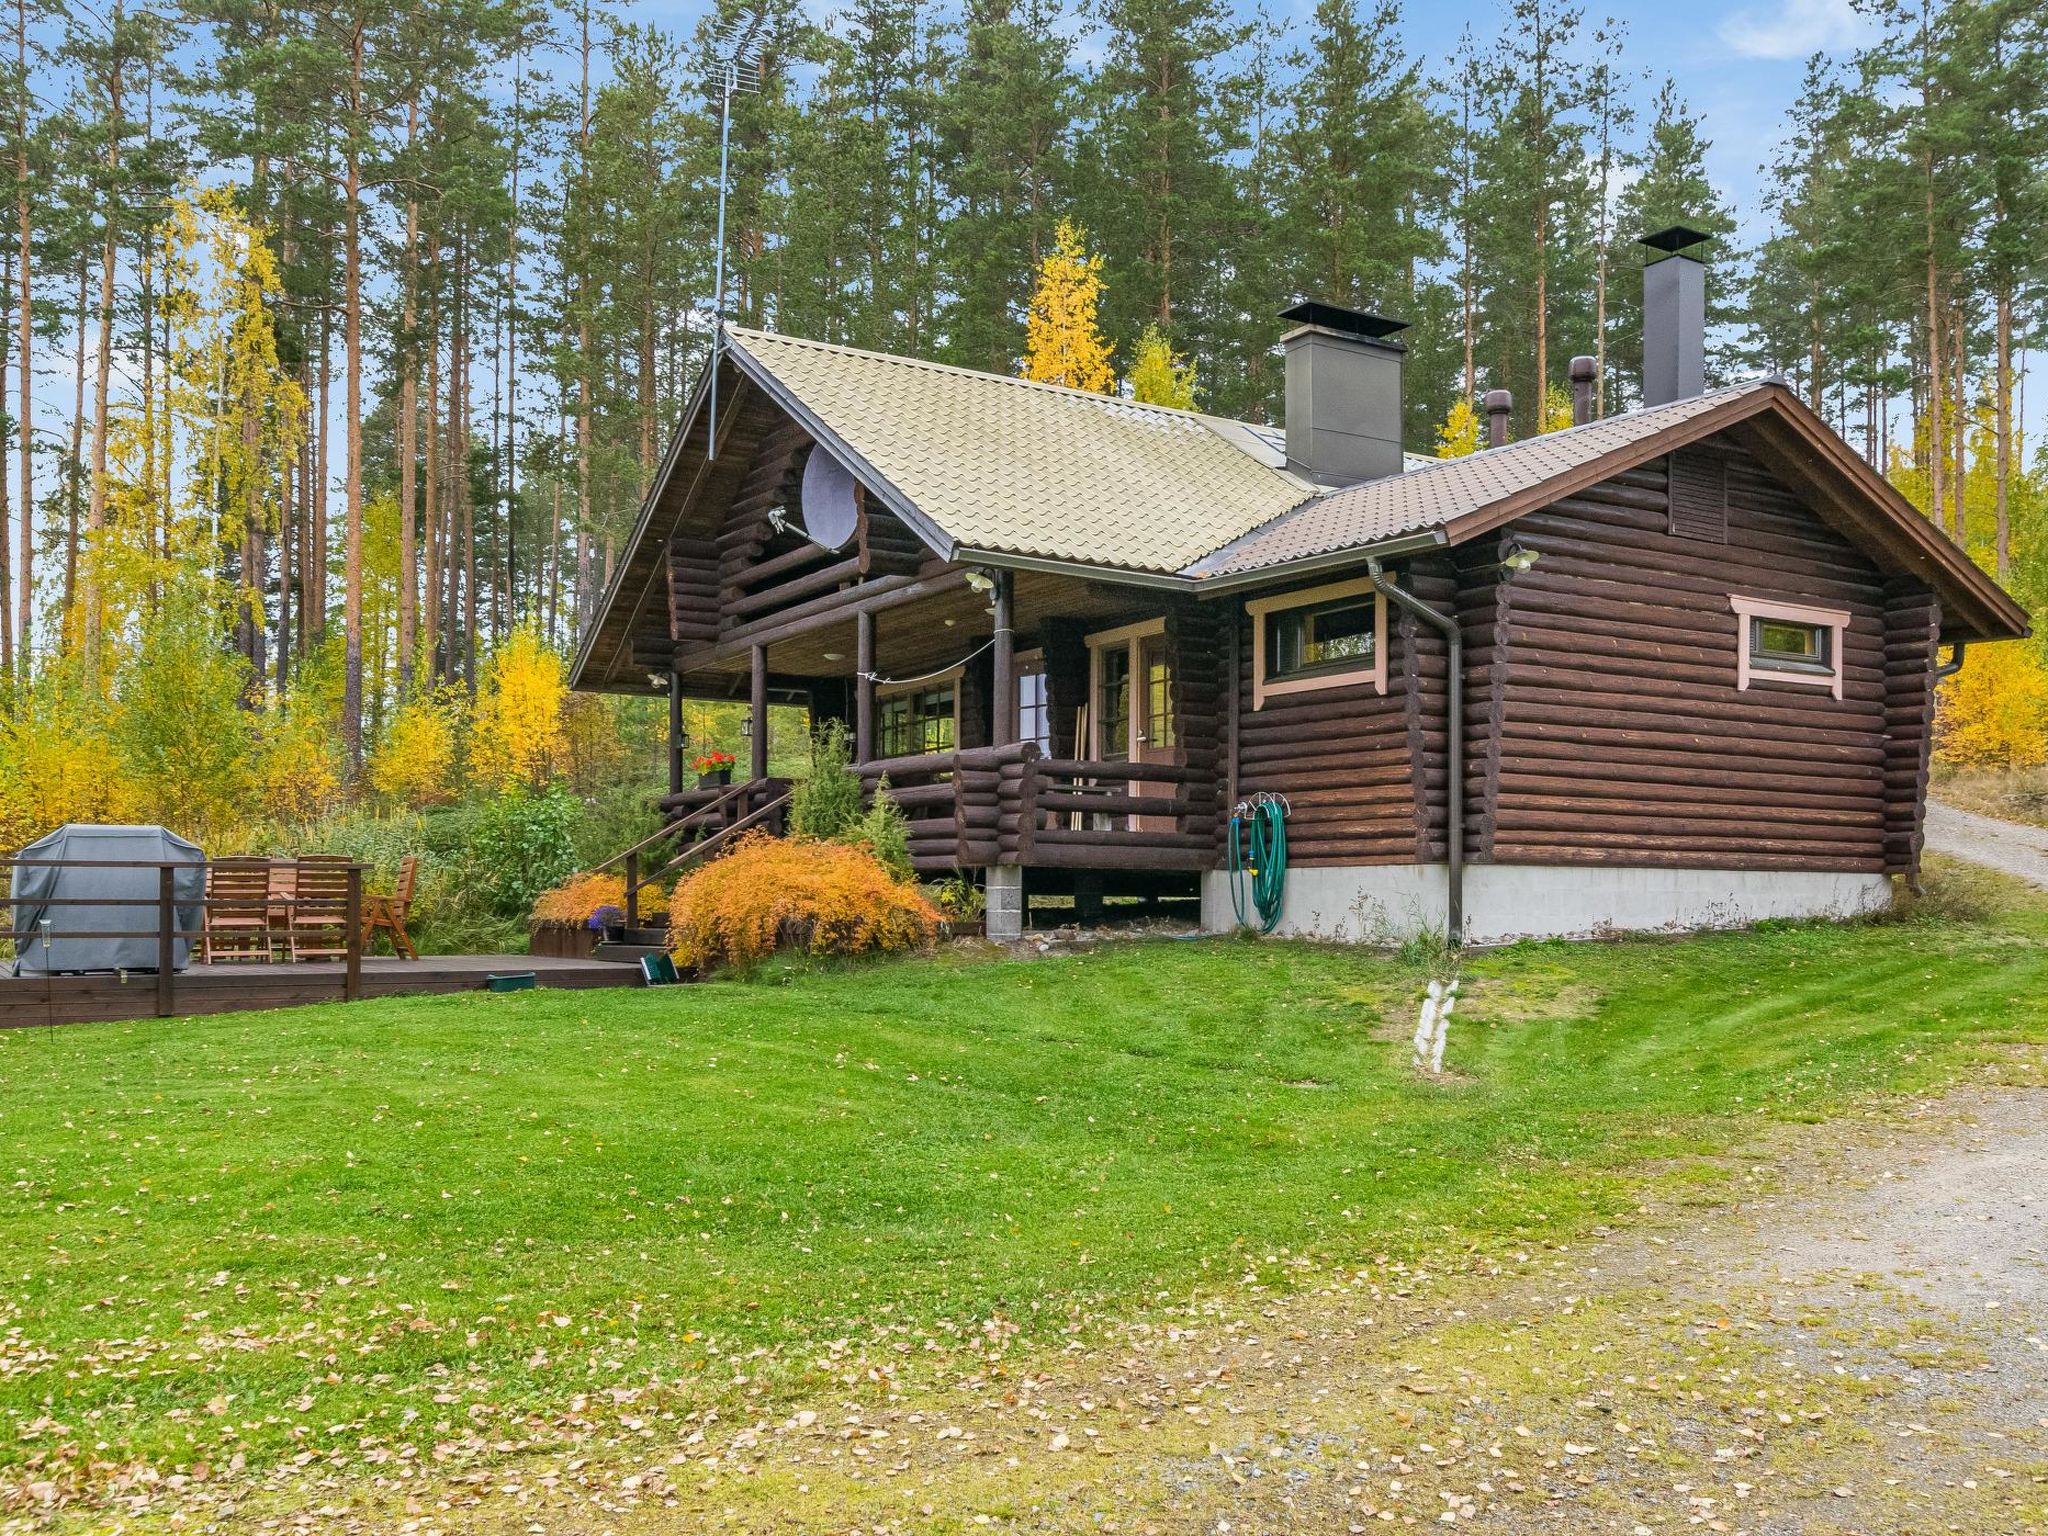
(1355, 765)
(1615, 730)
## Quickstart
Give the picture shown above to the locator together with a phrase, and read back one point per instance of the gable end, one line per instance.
(1698, 503)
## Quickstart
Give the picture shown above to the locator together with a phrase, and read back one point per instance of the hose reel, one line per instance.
(1258, 859)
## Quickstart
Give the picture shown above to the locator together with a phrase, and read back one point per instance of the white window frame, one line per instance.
(1747, 671)
(1260, 608)
(1027, 664)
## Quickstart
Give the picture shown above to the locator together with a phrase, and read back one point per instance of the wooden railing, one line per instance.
(1009, 805)
(701, 821)
(161, 908)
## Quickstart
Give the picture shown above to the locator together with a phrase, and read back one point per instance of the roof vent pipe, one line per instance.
(1499, 405)
(1343, 394)
(1583, 371)
(1674, 316)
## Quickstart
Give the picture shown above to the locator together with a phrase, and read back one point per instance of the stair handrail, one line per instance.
(698, 850)
(669, 829)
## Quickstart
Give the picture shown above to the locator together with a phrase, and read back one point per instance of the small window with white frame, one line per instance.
(1789, 643)
(1326, 637)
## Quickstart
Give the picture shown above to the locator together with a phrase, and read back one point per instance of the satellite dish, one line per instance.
(831, 506)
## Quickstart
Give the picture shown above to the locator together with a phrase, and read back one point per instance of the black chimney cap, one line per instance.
(1352, 322)
(1677, 238)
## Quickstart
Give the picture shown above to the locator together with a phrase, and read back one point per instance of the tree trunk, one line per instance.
(408, 431)
(313, 567)
(2002, 405)
(96, 505)
(352, 422)
(26, 343)
(430, 512)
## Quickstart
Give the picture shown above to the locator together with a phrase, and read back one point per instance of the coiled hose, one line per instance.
(1258, 857)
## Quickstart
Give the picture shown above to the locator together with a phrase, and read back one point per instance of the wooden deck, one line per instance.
(31, 1001)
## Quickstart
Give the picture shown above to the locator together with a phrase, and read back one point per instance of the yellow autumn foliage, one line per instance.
(1458, 434)
(56, 765)
(297, 776)
(1994, 713)
(1063, 344)
(1557, 409)
(517, 741)
(1159, 376)
(415, 762)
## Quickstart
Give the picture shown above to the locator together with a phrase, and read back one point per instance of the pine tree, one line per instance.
(1005, 118)
(1063, 343)
(1671, 186)
(1366, 152)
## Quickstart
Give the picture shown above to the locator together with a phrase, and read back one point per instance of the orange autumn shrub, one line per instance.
(774, 893)
(579, 898)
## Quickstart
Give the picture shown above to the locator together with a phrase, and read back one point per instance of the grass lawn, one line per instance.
(354, 1233)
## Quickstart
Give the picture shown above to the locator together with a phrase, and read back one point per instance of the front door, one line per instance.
(1133, 716)
(1155, 736)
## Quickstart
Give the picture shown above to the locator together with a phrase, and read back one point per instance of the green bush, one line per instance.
(883, 832)
(827, 804)
(612, 820)
(521, 845)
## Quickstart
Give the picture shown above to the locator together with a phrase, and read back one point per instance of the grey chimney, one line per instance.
(1343, 394)
(1500, 405)
(1583, 371)
(1674, 316)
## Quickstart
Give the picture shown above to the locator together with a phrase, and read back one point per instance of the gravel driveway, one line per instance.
(2007, 845)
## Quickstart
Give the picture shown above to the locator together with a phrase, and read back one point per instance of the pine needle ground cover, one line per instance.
(372, 1238)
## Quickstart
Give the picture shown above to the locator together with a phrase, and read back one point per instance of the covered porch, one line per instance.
(1020, 720)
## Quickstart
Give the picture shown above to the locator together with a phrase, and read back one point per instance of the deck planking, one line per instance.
(28, 1002)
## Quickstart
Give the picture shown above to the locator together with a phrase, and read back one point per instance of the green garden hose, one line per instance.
(1261, 855)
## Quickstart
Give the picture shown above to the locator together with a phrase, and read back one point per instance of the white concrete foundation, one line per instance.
(1391, 903)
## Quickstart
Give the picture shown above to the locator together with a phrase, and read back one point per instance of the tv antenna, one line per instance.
(734, 71)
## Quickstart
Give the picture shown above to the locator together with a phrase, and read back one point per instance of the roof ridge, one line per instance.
(1092, 397)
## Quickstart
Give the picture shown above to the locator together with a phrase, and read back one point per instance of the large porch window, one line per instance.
(920, 719)
(1034, 701)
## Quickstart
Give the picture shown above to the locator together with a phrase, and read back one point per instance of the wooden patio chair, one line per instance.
(319, 926)
(237, 923)
(389, 914)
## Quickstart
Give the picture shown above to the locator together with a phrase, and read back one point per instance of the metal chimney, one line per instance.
(1343, 394)
(1500, 405)
(1674, 316)
(1583, 372)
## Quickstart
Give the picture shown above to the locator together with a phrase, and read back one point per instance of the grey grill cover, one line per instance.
(121, 900)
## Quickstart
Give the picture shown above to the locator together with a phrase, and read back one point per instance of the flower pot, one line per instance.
(717, 778)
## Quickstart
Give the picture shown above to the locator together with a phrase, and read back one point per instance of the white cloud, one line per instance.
(1792, 29)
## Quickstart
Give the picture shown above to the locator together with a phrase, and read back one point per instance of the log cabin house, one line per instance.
(1668, 669)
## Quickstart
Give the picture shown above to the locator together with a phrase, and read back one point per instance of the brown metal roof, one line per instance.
(988, 466)
(1437, 493)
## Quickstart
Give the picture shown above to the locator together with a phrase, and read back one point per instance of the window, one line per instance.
(1314, 642)
(916, 721)
(1158, 722)
(1779, 645)
(1787, 643)
(1327, 637)
(1113, 702)
(1034, 702)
